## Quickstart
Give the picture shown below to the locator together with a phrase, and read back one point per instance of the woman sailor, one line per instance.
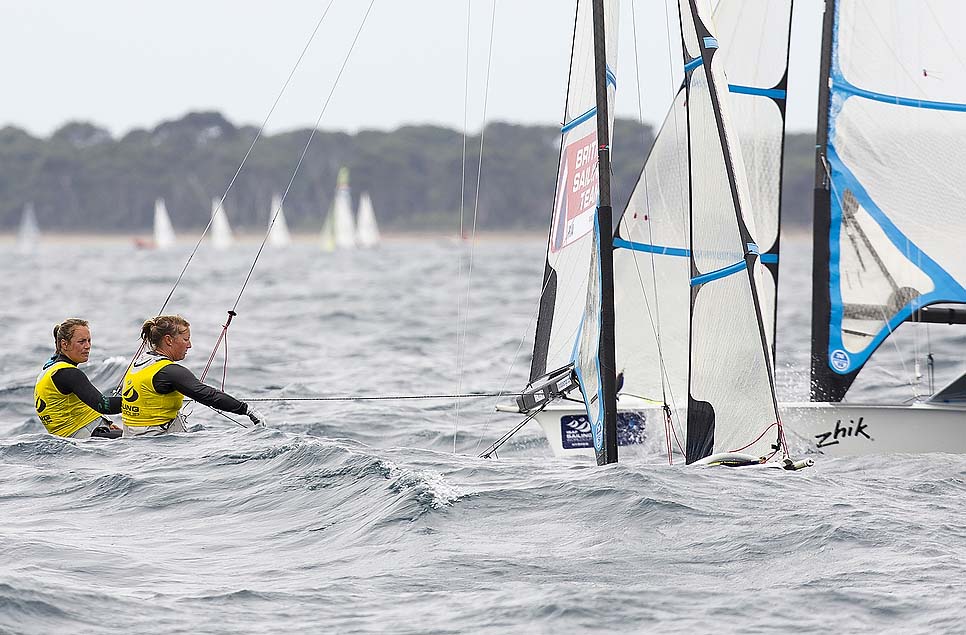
(156, 384)
(67, 403)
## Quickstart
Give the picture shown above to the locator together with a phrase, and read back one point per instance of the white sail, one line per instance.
(278, 234)
(28, 234)
(652, 245)
(221, 236)
(891, 224)
(731, 396)
(568, 326)
(343, 225)
(327, 235)
(367, 230)
(163, 231)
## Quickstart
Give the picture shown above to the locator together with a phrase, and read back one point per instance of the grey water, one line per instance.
(377, 517)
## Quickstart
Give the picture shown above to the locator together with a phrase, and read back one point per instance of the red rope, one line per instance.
(781, 440)
(224, 332)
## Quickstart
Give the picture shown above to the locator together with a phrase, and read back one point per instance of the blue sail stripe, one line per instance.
(719, 273)
(769, 258)
(579, 120)
(850, 89)
(693, 64)
(620, 243)
(774, 93)
(611, 77)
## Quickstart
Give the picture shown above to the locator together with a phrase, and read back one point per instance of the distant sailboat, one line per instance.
(221, 237)
(163, 231)
(327, 236)
(344, 231)
(367, 230)
(29, 233)
(278, 234)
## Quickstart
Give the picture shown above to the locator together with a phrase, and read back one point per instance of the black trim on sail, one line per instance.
(826, 385)
(701, 418)
(605, 351)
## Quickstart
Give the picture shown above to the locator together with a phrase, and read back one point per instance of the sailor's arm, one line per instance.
(177, 377)
(73, 380)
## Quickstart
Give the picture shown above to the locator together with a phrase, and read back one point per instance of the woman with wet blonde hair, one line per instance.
(156, 384)
(67, 403)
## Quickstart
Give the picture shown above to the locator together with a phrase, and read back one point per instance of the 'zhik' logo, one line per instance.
(40, 405)
(130, 394)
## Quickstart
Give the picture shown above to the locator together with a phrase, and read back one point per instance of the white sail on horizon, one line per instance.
(278, 234)
(164, 237)
(28, 234)
(367, 229)
(221, 236)
(343, 225)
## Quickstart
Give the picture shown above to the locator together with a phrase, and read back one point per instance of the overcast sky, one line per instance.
(124, 64)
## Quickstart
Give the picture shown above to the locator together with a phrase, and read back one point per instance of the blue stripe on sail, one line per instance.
(693, 64)
(720, 273)
(945, 287)
(579, 120)
(620, 243)
(752, 248)
(769, 258)
(774, 93)
(710, 42)
(611, 77)
(849, 89)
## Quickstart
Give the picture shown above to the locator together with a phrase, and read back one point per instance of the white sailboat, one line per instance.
(278, 234)
(28, 233)
(367, 229)
(164, 237)
(712, 278)
(327, 235)
(888, 219)
(221, 236)
(343, 225)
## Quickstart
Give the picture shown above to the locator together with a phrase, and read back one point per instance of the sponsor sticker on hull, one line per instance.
(575, 433)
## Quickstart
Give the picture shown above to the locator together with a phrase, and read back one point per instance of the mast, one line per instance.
(605, 231)
(824, 385)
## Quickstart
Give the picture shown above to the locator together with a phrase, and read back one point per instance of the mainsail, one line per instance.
(569, 323)
(652, 242)
(221, 237)
(278, 235)
(731, 394)
(889, 196)
(163, 231)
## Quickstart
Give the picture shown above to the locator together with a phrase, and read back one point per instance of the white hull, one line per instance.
(832, 429)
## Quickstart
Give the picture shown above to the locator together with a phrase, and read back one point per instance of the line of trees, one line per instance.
(83, 179)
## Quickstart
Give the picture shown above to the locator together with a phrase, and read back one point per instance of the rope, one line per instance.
(233, 311)
(231, 183)
(476, 209)
(470, 395)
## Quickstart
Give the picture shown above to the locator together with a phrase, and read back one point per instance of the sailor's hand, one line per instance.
(257, 418)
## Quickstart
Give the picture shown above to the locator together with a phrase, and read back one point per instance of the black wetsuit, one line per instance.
(176, 377)
(73, 380)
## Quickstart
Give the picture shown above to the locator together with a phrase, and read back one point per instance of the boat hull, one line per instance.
(833, 429)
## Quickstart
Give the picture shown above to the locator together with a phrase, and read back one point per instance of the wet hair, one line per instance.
(65, 331)
(154, 330)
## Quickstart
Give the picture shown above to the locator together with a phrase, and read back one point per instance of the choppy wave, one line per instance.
(358, 517)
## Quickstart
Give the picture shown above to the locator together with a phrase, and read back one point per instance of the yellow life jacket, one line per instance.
(61, 414)
(141, 404)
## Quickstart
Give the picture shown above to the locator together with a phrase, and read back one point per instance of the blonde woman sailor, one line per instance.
(156, 384)
(66, 401)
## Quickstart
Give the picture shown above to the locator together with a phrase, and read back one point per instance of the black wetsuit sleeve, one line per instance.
(176, 377)
(73, 380)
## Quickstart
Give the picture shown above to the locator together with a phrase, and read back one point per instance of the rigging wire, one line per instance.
(476, 209)
(295, 172)
(459, 257)
(231, 183)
